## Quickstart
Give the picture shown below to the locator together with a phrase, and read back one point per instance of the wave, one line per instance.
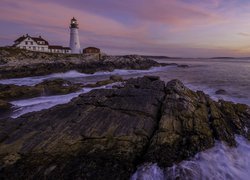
(46, 102)
(32, 81)
(220, 162)
(235, 97)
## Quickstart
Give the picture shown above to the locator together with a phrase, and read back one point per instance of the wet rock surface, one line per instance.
(107, 133)
(46, 88)
(221, 92)
(191, 122)
(183, 66)
(112, 79)
(5, 109)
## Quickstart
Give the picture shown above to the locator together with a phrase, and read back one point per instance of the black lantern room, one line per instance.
(73, 23)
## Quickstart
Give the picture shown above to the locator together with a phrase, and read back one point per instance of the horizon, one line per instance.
(176, 28)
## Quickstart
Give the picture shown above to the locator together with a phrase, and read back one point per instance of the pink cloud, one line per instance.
(165, 26)
(58, 16)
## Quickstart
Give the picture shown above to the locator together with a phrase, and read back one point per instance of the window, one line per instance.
(29, 47)
(26, 42)
(42, 48)
(34, 48)
(31, 43)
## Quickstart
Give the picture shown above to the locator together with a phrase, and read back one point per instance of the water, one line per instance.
(46, 102)
(208, 75)
(77, 77)
(220, 162)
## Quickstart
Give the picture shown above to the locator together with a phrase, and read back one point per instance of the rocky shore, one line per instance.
(107, 133)
(10, 92)
(16, 62)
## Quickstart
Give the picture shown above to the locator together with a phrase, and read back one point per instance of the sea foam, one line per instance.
(220, 162)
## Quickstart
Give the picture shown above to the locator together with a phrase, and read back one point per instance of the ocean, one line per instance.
(209, 75)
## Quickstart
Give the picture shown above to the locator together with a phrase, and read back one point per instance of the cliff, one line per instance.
(107, 133)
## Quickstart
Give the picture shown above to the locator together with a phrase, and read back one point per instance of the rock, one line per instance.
(221, 91)
(23, 63)
(190, 122)
(104, 82)
(111, 80)
(14, 92)
(57, 86)
(2, 62)
(5, 109)
(107, 133)
(183, 66)
(99, 83)
(4, 106)
(46, 88)
(153, 78)
(116, 78)
(98, 135)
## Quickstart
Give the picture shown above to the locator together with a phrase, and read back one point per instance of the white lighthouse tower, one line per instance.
(74, 43)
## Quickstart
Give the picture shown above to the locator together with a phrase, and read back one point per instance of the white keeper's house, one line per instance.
(40, 44)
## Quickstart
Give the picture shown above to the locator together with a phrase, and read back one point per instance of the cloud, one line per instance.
(244, 34)
(170, 12)
(146, 26)
(55, 18)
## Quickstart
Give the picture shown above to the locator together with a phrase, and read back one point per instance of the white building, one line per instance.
(59, 49)
(74, 43)
(40, 44)
(32, 43)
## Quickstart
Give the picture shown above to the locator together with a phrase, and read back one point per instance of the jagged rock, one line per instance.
(116, 78)
(12, 92)
(98, 135)
(2, 61)
(221, 91)
(111, 80)
(4, 106)
(183, 66)
(106, 133)
(48, 87)
(57, 86)
(190, 123)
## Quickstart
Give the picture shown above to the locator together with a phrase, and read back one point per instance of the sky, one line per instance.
(180, 28)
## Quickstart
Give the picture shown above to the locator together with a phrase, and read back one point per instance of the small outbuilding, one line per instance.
(91, 50)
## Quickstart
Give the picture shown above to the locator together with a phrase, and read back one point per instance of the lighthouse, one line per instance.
(74, 43)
